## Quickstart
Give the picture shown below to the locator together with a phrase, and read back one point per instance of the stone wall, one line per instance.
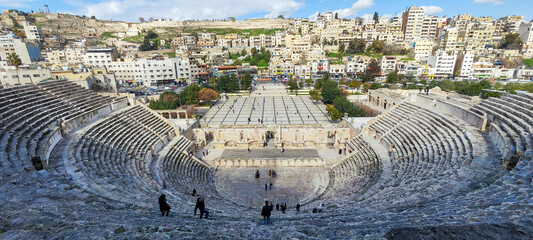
(286, 136)
(472, 118)
(270, 163)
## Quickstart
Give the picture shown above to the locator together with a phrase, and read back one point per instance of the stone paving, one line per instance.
(291, 185)
(266, 110)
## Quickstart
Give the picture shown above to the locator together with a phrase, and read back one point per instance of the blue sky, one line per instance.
(131, 10)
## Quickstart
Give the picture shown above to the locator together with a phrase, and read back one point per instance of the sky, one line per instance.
(131, 10)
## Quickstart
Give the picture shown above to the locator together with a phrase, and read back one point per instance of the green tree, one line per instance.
(485, 84)
(189, 95)
(356, 46)
(315, 95)
(375, 46)
(246, 81)
(341, 48)
(336, 15)
(376, 17)
(333, 113)
(372, 70)
(234, 83)
(343, 105)
(375, 86)
(14, 60)
(354, 84)
(308, 82)
(292, 84)
(511, 41)
(222, 83)
(330, 91)
(392, 77)
(243, 52)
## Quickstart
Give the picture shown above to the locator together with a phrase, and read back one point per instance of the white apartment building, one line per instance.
(33, 32)
(422, 49)
(466, 66)
(413, 19)
(319, 67)
(151, 72)
(388, 65)
(356, 66)
(21, 76)
(99, 58)
(443, 64)
(302, 71)
(526, 33)
(337, 70)
(27, 51)
(286, 68)
(67, 56)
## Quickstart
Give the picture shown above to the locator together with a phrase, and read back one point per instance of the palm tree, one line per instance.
(14, 60)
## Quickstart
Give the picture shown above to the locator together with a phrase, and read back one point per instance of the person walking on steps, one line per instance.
(266, 187)
(266, 212)
(298, 207)
(200, 205)
(163, 205)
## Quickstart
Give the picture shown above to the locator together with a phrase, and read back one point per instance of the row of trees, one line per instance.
(335, 98)
(231, 83)
(192, 94)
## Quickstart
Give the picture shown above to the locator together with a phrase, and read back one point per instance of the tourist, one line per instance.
(277, 206)
(164, 184)
(427, 90)
(196, 206)
(270, 186)
(270, 172)
(194, 192)
(320, 208)
(266, 187)
(163, 205)
(257, 174)
(420, 89)
(200, 204)
(298, 207)
(274, 174)
(271, 207)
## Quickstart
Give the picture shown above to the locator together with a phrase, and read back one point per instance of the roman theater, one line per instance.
(75, 164)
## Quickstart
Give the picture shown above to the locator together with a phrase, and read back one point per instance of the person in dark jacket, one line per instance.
(266, 212)
(194, 192)
(200, 205)
(163, 205)
(257, 174)
(277, 206)
(298, 207)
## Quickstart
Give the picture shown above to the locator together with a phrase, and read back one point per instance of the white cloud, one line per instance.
(16, 3)
(432, 10)
(495, 2)
(367, 16)
(314, 16)
(386, 16)
(131, 10)
(355, 8)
